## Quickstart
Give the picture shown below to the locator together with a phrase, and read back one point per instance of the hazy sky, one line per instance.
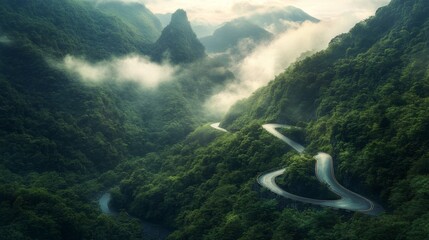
(267, 61)
(221, 10)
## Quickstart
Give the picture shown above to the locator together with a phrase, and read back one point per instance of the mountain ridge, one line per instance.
(178, 42)
(136, 16)
(232, 33)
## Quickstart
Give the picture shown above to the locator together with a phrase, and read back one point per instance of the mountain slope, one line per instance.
(364, 100)
(70, 26)
(136, 16)
(178, 42)
(60, 137)
(233, 33)
(254, 29)
(279, 20)
(356, 95)
(367, 40)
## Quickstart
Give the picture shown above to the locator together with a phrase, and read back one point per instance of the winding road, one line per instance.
(103, 202)
(216, 126)
(325, 174)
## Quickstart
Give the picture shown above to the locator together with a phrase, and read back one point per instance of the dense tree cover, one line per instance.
(178, 42)
(364, 100)
(55, 135)
(69, 26)
(37, 213)
(60, 136)
(136, 16)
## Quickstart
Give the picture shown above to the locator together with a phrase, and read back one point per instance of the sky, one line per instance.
(216, 12)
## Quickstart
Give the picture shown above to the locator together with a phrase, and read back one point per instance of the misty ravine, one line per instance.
(149, 230)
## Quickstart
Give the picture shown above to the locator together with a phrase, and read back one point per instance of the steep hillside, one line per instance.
(136, 16)
(69, 26)
(60, 136)
(364, 100)
(233, 33)
(178, 42)
(247, 32)
(366, 55)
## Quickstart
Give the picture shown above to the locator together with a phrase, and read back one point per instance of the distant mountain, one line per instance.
(201, 29)
(254, 29)
(279, 20)
(232, 33)
(178, 42)
(136, 16)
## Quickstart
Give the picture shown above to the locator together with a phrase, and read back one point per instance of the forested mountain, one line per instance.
(244, 33)
(178, 42)
(279, 20)
(364, 100)
(136, 16)
(60, 28)
(59, 135)
(234, 33)
(64, 141)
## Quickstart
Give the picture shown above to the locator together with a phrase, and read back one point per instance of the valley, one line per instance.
(107, 112)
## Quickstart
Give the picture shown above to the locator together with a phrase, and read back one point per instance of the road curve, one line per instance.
(216, 126)
(325, 174)
(271, 128)
(103, 202)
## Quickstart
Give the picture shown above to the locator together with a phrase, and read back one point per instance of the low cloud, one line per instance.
(4, 40)
(123, 1)
(269, 60)
(206, 14)
(131, 68)
(218, 12)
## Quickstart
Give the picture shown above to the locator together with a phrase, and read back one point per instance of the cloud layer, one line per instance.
(131, 68)
(4, 39)
(217, 12)
(257, 69)
(267, 61)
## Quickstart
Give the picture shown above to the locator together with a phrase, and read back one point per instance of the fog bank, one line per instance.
(130, 68)
(269, 60)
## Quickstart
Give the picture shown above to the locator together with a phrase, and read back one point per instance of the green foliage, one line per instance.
(178, 43)
(136, 16)
(364, 100)
(35, 213)
(59, 136)
(65, 27)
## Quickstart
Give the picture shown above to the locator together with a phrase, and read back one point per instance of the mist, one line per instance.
(218, 12)
(269, 60)
(4, 39)
(132, 68)
(260, 65)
